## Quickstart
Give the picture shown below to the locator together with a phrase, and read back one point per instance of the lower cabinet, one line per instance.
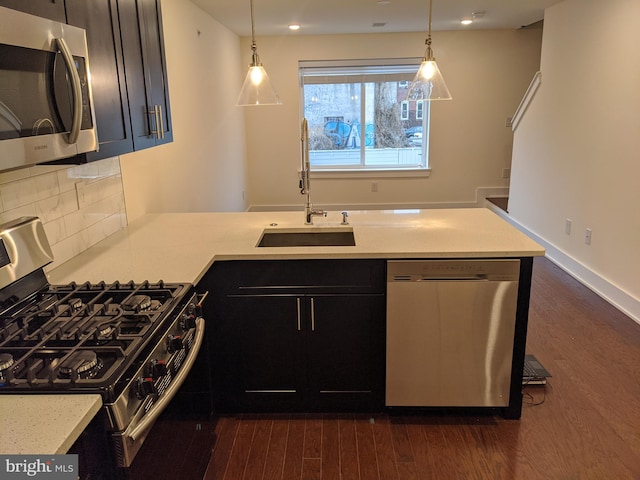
(346, 352)
(286, 345)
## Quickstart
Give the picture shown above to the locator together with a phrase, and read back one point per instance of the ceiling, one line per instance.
(318, 17)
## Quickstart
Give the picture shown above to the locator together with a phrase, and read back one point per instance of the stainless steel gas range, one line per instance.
(132, 343)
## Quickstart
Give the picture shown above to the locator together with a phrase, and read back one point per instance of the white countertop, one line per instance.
(44, 424)
(180, 247)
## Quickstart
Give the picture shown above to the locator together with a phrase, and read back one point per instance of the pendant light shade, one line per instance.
(428, 84)
(257, 88)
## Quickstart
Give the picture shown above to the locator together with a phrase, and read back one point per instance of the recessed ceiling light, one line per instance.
(294, 26)
(474, 16)
(384, 2)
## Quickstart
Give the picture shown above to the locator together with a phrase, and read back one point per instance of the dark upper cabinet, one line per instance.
(128, 69)
(51, 9)
(146, 72)
(100, 20)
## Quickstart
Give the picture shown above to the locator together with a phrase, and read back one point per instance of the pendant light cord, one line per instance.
(255, 60)
(253, 36)
(430, 11)
(429, 53)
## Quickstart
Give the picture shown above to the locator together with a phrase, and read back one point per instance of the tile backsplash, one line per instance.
(79, 205)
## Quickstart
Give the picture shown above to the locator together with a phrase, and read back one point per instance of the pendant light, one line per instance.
(428, 83)
(257, 88)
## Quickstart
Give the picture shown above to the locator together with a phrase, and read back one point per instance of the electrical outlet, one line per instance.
(508, 122)
(567, 226)
(506, 172)
(374, 186)
(81, 195)
(587, 236)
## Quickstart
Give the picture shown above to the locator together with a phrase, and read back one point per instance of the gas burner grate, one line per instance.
(75, 333)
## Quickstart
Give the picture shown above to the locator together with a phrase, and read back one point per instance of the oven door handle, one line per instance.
(134, 431)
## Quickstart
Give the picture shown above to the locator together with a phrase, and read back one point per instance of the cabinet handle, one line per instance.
(313, 316)
(159, 130)
(161, 124)
(298, 305)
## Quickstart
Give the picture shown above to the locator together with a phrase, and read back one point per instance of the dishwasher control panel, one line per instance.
(422, 270)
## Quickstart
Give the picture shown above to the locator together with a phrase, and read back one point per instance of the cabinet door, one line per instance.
(100, 20)
(345, 353)
(146, 73)
(51, 9)
(256, 358)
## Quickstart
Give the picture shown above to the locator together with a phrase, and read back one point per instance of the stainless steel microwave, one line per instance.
(46, 108)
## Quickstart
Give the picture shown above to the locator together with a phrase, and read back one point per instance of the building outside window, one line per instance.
(360, 118)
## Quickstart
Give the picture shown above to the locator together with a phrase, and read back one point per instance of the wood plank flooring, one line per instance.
(584, 425)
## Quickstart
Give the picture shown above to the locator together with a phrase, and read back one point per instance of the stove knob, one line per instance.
(174, 343)
(158, 368)
(195, 310)
(145, 387)
(187, 322)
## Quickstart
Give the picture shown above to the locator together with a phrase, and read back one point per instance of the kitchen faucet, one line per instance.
(304, 174)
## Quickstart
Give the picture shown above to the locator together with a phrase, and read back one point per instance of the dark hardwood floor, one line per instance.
(585, 424)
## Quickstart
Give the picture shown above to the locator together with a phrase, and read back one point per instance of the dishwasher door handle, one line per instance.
(423, 278)
(471, 278)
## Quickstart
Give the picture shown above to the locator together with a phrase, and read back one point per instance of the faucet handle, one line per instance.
(344, 218)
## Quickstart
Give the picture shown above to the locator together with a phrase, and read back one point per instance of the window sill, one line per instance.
(371, 173)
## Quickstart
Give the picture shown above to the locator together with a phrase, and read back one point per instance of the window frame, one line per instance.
(367, 71)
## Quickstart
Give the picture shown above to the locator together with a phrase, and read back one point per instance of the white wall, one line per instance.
(487, 73)
(576, 150)
(204, 168)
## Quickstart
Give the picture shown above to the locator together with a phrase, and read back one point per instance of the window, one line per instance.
(404, 110)
(419, 109)
(359, 116)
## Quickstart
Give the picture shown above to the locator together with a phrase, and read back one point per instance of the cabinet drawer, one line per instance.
(293, 276)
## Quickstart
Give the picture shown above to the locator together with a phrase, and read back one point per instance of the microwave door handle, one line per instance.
(75, 88)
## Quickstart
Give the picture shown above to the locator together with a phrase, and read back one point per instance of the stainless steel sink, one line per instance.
(324, 237)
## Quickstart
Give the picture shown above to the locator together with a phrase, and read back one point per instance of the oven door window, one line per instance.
(35, 96)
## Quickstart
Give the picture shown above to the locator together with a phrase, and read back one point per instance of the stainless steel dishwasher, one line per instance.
(450, 332)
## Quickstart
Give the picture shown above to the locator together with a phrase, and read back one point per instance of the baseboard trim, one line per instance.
(363, 206)
(617, 297)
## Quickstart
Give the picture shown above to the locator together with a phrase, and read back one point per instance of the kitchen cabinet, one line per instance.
(51, 9)
(346, 351)
(100, 20)
(128, 70)
(146, 72)
(297, 335)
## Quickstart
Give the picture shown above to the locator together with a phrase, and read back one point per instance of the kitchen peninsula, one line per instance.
(181, 247)
(184, 247)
